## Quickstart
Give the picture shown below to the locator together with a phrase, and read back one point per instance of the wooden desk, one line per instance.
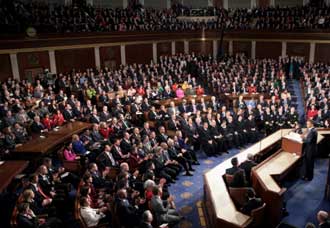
(38, 145)
(8, 170)
(177, 101)
(219, 208)
(231, 98)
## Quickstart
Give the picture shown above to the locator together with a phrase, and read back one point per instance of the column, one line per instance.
(215, 48)
(253, 4)
(253, 50)
(154, 52)
(225, 4)
(52, 61)
(142, 2)
(173, 48)
(97, 58)
(125, 4)
(186, 46)
(210, 3)
(14, 66)
(230, 48)
(283, 49)
(305, 2)
(312, 52)
(168, 4)
(89, 2)
(272, 3)
(123, 55)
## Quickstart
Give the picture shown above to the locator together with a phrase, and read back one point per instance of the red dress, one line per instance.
(58, 119)
(48, 123)
(199, 91)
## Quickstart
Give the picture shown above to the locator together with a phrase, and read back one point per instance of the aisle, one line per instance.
(188, 191)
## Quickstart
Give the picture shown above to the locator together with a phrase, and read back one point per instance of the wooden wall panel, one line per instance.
(322, 53)
(78, 59)
(179, 47)
(298, 49)
(201, 47)
(268, 49)
(242, 47)
(32, 60)
(110, 56)
(138, 53)
(164, 49)
(218, 3)
(263, 3)
(224, 48)
(5, 67)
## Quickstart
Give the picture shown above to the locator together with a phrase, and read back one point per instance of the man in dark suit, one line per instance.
(37, 126)
(147, 219)
(68, 114)
(183, 106)
(252, 203)
(94, 117)
(309, 151)
(105, 159)
(206, 140)
(247, 166)
(127, 213)
(235, 168)
(27, 219)
(126, 144)
(323, 219)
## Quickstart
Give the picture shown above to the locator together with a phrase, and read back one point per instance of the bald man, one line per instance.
(323, 219)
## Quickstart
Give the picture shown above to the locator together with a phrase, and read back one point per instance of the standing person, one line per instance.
(309, 151)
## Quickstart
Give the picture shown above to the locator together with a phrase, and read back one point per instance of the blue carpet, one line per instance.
(305, 199)
(300, 100)
(188, 191)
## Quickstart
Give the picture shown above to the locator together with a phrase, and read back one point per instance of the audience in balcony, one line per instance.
(59, 18)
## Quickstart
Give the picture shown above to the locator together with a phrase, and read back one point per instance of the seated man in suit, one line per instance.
(164, 214)
(235, 168)
(37, 126)
(91, 216)
(247, 166)
(252, 203)
(147, 219)
(27, 219)
(127, 213)
(323, 219)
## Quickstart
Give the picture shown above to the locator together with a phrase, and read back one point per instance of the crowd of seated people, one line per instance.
(142, 126)
(317, 91)
(58, 18)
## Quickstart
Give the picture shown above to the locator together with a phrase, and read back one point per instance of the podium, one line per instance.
(292, 143)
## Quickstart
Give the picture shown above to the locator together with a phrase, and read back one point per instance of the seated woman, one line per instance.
(58, 119)
(179, 92)
(68, 153)
(35, 204)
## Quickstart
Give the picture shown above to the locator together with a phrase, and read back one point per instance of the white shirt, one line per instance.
(90, 216)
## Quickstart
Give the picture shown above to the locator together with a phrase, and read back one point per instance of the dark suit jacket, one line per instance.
(251, 205)
(232, 170)
(94, 119)
(310, 144)
(25, 222)
(247, 166)
(36, 128)
(67, 115)
(125, 146)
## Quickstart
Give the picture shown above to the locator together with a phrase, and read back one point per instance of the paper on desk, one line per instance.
(294, 136)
